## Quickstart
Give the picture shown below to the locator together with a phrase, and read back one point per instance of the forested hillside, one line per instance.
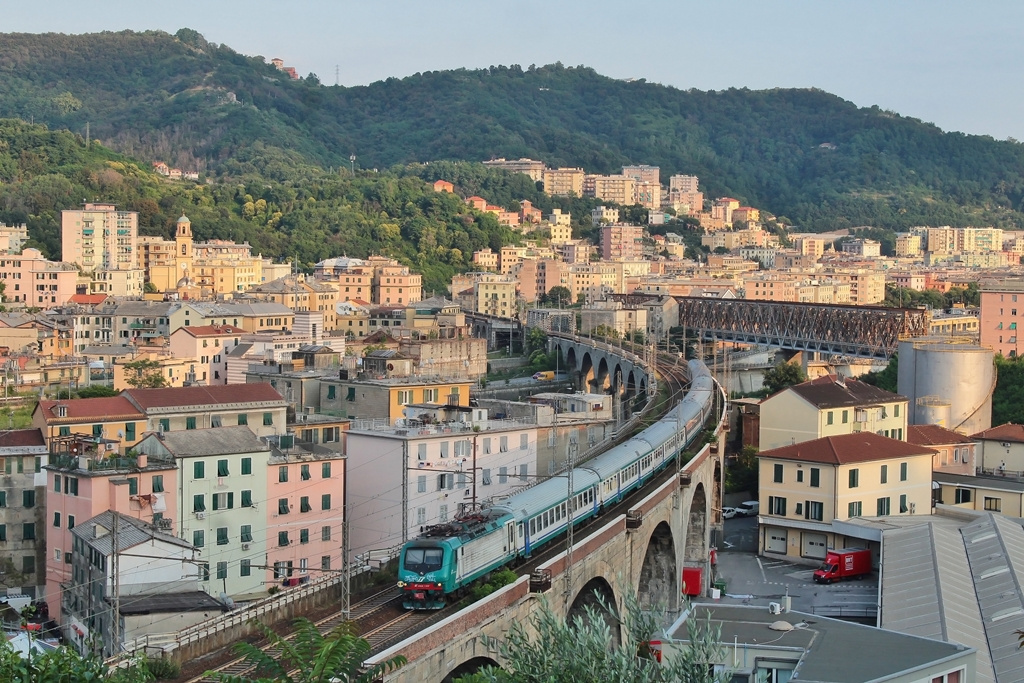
(311, 216)
(804, 154)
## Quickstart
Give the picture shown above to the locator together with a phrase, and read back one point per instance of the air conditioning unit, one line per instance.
(245, 546)
(201, 515)
(774, 608)
(1005, 444)
(163, 524)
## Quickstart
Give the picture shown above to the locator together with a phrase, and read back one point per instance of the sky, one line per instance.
(954, 64)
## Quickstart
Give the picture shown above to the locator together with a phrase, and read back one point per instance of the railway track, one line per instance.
(368, 612)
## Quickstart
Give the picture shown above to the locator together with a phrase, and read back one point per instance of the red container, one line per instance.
(693, 580)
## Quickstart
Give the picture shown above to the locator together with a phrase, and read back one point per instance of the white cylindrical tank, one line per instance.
(949, 370)
(932, 410)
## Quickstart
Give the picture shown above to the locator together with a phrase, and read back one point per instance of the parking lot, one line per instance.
(754, 580)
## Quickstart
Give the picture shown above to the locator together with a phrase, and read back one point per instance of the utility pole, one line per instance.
(346, 566)
(570, 465)
(117, 590)
(405, 491)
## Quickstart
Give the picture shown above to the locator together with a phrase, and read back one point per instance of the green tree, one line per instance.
(64, 665)
(144, 374)
(741, 474)
(549, 650)
(97, 391)
(557, 296)
(150, 288)
(311, 657)
(536, 340)
(884, 379)
(783, 375)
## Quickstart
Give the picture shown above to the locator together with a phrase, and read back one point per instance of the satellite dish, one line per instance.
(120, 433)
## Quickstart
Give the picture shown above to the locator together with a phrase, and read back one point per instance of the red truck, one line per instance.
(848, 563)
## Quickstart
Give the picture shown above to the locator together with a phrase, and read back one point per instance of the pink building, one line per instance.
(954, 452)
(83, 480)
(209, 345)
(34, 281)
(478, 203)
(621, 242)
(305, 505)
(1002, 311)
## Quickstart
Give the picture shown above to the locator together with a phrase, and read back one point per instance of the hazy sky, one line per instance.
(955, 64)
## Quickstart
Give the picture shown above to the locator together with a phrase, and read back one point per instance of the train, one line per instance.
(445, 559)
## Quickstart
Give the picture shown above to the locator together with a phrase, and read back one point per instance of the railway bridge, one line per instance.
(861, 331)
(639, 547)
(600, 367)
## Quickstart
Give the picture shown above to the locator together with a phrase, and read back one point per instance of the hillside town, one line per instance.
(265, 428)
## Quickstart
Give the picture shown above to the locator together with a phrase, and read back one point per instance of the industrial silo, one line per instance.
(947, 379)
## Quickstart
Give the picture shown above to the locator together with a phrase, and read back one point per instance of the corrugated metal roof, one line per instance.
(216, 441)
(130, 533)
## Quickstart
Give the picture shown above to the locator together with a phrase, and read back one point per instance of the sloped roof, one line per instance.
(1006, 432)
(21, 437)
(830, 391)
(130, 533)
(191, 601)
(847, 449)
(212, 330)
(87, 299)
(214, 395)
(216, 441)
(100, 409)
(934, 435)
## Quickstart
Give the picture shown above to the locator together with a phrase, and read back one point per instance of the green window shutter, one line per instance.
(133, 486)
(331, 392)
(129, 431)
(247, 499)
(216, 501)
(199, 503)
(325, 470)
(268, 419)
(231, 500)
(325, 501)
(282, 506)
(198, 469)
(97, 430)
(246, 465)
(304, 536)
(243, 419)
(222, 468)
(158, 483)
(3, 499)
(815, 476)
(198, 538)
(190, 423)
(304, 505)
(222, 535)
(246, 535)
(305, 472)
(165, 424)
(64, 431)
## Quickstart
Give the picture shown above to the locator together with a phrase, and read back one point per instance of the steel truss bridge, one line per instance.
(862, 331)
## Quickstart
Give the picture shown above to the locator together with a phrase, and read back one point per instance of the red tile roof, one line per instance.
(212, 330)
(88, 299)
(171, 397)
(829, 391)
(21, 437)
(934, 435)
(1006, 432)
(846, 449)
(91, 409)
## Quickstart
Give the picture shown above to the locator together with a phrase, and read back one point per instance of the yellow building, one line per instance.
(300, 293)
(829, 406)
(617, 189)
(114, 419)
(215, 267)
(496, 295)
(385, 399)
(175, 371)
(806, 487)
(564, 181)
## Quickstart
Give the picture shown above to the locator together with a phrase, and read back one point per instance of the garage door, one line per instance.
(813, 545)
(775, 540)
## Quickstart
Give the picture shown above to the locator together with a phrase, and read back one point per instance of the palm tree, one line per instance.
(309, 656)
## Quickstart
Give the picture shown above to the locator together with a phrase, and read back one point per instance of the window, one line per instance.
(199, 538)
(814, 510)
(223, 501)
(445, 481)
(522, 472)
(245, 568)
(222, 468)
(504, 444)
(854, 509)
(896, 410)
(215, 421)
(282, 473)
(243, 418)
(222, 570)
(268, 419)
(903, 504)
(885, 474)
(158, 483)
(903, 471)
(282, 538)
(222, 535)
(502, 475)
(325, 470)
(828, 418)
(882, 507)
(303, 535)
(304, 473)
(3, 532)
(28, 498)
(404, 397)
(815, 477)
(246, 498)
(800, 476)
(325, 533)
(524, 441)
(282, 506)
(204, 569)
(165, 424)
(332, 392)
(325, 562)
(776, 505)
(854, 478)
(304, 505)
(350, 395)
(56, 519)
(778, 473)
(846, 416)
(325, 501)
(56, 483)
(485, 477)
(198, 469)
(190, 423)
(65, 431)
(97, 430)
(28, 564)
(993, 504)
(421, 516)
(246, 534)
(421, 483)
(129, 431)
(962, 496)
(199, 502)
(71, 521)
(442, 514)
(133, 486)
(487, 445)
(246, 465)
(421, 451)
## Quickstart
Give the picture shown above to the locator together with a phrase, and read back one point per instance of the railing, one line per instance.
(433, 428)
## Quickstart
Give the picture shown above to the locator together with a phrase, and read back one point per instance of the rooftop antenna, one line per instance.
(337, 71)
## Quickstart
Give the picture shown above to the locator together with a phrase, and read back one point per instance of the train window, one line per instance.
(533, 527)
(422, 560)
(520, 531)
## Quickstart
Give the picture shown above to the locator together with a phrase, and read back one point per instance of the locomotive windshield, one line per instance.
(423, 560)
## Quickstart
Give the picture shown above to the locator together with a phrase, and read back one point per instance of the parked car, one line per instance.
(748, 508)
(728, 513)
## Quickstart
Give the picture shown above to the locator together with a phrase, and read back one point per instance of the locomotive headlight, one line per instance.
(401, 584)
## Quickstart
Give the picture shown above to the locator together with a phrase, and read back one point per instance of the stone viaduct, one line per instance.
(643, 550)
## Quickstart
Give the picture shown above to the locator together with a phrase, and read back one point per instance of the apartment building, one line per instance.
(563, 182)
(617, 189)
(827, 406)
(863, 247)
(258, 406)
(115, 422)
(642, 173)
(592, 281)
(806, 487)
(604, 215)
(386, 399)
(1002, 312)
(449, 460)
(867, 287)
(615, 316)
(536, 277)
(621, 241)
(209, 346)
(530, 167)
(99, 237)
(485, 259)
(13, 238)
(33, 281)
(23, 454)
(395, 284)
(954, 452)
(908, 246)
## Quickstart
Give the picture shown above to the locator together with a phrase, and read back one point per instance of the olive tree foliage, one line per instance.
(548, 650)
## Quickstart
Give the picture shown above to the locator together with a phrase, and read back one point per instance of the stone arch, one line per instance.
(659, 576)
(586, 371)
(695, 552)
(572, 363)
(469, 667)
(594, 593)
(602, 378)
(618, 379)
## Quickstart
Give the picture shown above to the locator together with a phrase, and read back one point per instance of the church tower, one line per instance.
(183, 245)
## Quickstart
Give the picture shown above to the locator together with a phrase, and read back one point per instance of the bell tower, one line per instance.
(183, 243)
